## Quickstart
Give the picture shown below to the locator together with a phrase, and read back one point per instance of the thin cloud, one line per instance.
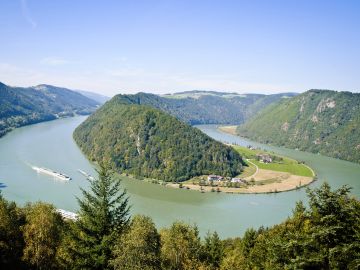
(54, 61)
(26, 14)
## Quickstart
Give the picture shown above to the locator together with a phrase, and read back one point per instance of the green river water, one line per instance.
(50, 145)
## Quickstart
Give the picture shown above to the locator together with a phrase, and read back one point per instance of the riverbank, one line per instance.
(24, 121)
(228, 129)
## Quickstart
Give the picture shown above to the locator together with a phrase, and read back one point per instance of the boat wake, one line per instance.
(88, 176)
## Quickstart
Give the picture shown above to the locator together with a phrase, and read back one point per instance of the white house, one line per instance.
(237, 180)
(213, 177)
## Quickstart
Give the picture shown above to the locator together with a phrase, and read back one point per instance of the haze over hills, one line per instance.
(318, 121)
(22, 106)
(210, 107)
(144, 141)
(94, 96)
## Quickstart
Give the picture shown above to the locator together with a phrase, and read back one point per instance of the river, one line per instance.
(50, 145)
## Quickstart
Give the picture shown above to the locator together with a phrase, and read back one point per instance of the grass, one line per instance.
(286, 165)
(246, 152)
(248, 170)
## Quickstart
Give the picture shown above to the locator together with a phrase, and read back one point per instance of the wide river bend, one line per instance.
(50, 145)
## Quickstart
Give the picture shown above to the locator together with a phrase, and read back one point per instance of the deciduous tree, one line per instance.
(139, 247)
(42, 234)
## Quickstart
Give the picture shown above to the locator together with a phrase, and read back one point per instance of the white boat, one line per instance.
(58, 175)
(88, 176)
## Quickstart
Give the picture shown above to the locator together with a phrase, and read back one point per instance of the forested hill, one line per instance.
(209, 107)
(144, 141)
(21, 106)
(319, 121)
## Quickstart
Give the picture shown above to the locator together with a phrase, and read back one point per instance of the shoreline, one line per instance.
(229, 129)
(235, 190)
(9, 129)
(282, 183)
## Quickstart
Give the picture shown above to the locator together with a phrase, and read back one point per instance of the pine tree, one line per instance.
(103, 216)
(213, 249)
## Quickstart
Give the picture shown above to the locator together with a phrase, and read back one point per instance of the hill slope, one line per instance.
(144, 141)
(319, 121)
(209, 107)
(21, 106)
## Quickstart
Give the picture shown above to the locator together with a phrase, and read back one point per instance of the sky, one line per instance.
(120, 46)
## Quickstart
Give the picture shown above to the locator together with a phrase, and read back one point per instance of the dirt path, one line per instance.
(257, 169)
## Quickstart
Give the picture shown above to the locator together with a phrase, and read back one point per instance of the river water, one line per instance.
(50, 145)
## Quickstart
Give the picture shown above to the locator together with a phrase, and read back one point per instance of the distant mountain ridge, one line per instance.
(144, 141)
(21, 106)
(94, 96)
(209, 107)
(318, 121)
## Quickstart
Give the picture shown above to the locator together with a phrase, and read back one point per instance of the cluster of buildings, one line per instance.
(264, 158)
(218, 178)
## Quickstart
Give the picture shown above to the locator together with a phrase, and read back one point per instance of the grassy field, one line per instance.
(286, 165)
(248, 170)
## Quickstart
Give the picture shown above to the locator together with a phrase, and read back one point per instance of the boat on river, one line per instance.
(55, 174)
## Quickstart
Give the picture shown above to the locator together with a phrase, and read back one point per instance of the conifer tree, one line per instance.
(103, 216)
(213, 249)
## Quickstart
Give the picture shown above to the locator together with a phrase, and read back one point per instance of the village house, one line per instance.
(237, 180)
(264, 158)
(213, 177)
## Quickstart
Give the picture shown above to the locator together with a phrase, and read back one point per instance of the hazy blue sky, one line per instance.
(165, 46)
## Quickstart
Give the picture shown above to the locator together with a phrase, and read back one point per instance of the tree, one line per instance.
(325, 236)
(213, 249)
(11, 239)
(234, 260)
(335, 232)
(181, 247)
(103, 216)
(139, 247)
(42, 234)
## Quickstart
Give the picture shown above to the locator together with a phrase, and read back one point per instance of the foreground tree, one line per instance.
(11, 239)
(139, 247)
(103, 216)
(213, 250)
(42, 234)
(335, 229)
(325, 236)
(181, 247)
